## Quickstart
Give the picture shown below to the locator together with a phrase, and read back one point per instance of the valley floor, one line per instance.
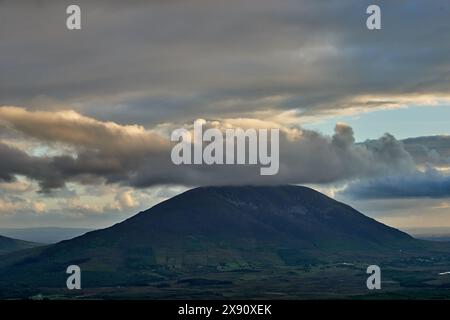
(403, 279)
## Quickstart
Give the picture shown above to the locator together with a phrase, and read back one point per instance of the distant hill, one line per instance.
(45, 235)
(218, 229)
(10, 245)
(431, 234)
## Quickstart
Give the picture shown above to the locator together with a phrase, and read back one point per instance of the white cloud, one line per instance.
(125, 200)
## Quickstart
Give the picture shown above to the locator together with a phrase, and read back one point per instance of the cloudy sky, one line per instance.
(86, 116)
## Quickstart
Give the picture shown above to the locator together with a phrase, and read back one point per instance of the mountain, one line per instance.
(45, 235)
(207, 234)
(9, 245)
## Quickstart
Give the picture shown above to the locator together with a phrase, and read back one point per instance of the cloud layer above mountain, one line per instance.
(92, 151)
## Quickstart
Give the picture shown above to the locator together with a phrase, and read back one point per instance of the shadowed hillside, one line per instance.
(10, 245)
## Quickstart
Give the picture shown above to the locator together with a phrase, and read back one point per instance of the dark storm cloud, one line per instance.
(429, 184)
(16, 162)
(429, 152)
(152, 61)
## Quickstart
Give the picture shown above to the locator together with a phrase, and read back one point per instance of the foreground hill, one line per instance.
(220, 231)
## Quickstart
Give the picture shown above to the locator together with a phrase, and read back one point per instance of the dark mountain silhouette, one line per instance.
(220, 229)
(9, 245)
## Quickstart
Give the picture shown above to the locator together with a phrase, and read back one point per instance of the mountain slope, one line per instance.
(45, 235)
(287, 216)
(218, 229)
(9, 245)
